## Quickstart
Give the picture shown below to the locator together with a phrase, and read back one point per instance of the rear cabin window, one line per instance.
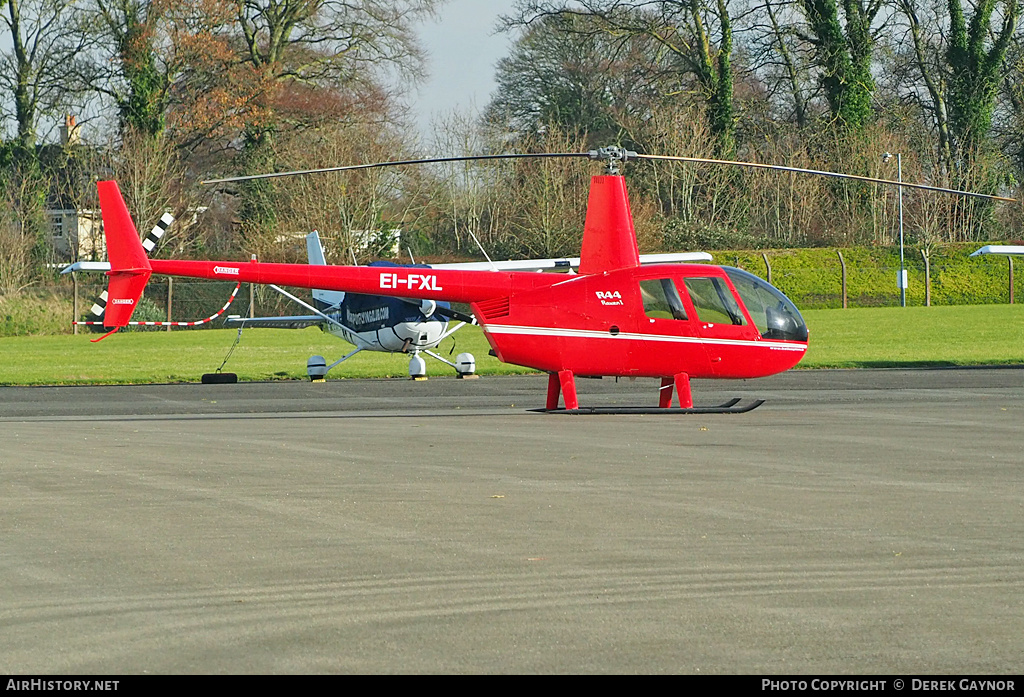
(714, 301)
(661, 299)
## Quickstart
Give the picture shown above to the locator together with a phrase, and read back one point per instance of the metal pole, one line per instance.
(842, 263)
(903, 268)
(1010, 259)
(927, 279)
(74, 327)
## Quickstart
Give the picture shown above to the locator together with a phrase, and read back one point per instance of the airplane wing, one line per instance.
(566, 262)
(1000, 249)
(286, 322)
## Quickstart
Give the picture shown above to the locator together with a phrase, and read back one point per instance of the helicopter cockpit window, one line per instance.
(774, 315)
(661, 299)
(714, 301)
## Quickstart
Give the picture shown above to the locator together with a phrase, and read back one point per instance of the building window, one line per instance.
(57, 224)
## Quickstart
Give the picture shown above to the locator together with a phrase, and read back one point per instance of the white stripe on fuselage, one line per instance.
(592, 334)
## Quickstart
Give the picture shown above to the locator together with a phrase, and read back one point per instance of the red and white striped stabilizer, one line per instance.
(195, 323)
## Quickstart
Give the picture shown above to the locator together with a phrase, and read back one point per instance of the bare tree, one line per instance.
(780, 58)
(693, 37)
(34, 73)
(567, 70)
(146, 56)
(360, 215)
(16, 264)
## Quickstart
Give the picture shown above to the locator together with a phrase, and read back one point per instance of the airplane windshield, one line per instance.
(775, 315)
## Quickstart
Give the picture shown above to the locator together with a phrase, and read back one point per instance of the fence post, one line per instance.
(74, 326)
(927, 280)
(842, 264)
(170, 297)
(1010, 259)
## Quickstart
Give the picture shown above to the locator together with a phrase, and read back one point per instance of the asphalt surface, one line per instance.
(860, 522)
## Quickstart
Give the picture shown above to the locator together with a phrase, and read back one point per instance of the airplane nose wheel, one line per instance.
(417, 367)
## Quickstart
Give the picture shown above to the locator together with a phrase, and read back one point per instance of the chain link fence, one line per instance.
(177, 300)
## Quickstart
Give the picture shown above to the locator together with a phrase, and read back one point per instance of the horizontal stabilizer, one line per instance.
(287, 322)
(86, 266)
(1000, 249)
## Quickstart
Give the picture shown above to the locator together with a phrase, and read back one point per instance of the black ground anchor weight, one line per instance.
(219, 378)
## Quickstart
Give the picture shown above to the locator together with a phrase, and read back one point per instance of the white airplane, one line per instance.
(395, 325)
(371, 322)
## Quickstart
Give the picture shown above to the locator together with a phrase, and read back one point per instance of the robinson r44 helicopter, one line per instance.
(614, 317)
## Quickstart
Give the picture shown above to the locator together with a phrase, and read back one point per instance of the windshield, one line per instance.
(775, 315)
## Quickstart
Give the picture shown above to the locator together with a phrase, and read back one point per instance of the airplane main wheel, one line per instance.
(465, 365)
(316, 368)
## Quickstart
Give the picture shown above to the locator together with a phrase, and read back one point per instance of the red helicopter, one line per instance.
(613, 318)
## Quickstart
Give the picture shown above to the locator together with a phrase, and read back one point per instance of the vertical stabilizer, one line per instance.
(323, 299)
(609, 239)
(315, 249)
(129, 266)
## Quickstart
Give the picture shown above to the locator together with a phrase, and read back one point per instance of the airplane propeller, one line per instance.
(454, 314)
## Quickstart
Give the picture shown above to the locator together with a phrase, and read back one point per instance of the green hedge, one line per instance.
(33, 313)
(813, 277)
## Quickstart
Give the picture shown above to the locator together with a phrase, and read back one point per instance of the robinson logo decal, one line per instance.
(226, 270)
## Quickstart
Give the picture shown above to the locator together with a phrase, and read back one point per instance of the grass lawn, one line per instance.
(915, 336)
(183, 356)
(868, 337)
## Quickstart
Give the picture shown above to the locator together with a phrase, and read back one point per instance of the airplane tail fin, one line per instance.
(323, 299)
(129, 266)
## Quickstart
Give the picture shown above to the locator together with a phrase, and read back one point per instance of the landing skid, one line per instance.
(733, 406)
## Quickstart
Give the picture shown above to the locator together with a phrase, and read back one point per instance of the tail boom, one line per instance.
(400, 282)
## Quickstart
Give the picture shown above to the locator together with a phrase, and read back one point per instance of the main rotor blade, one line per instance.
(600, 155)
(429, 160)
(822, 173)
